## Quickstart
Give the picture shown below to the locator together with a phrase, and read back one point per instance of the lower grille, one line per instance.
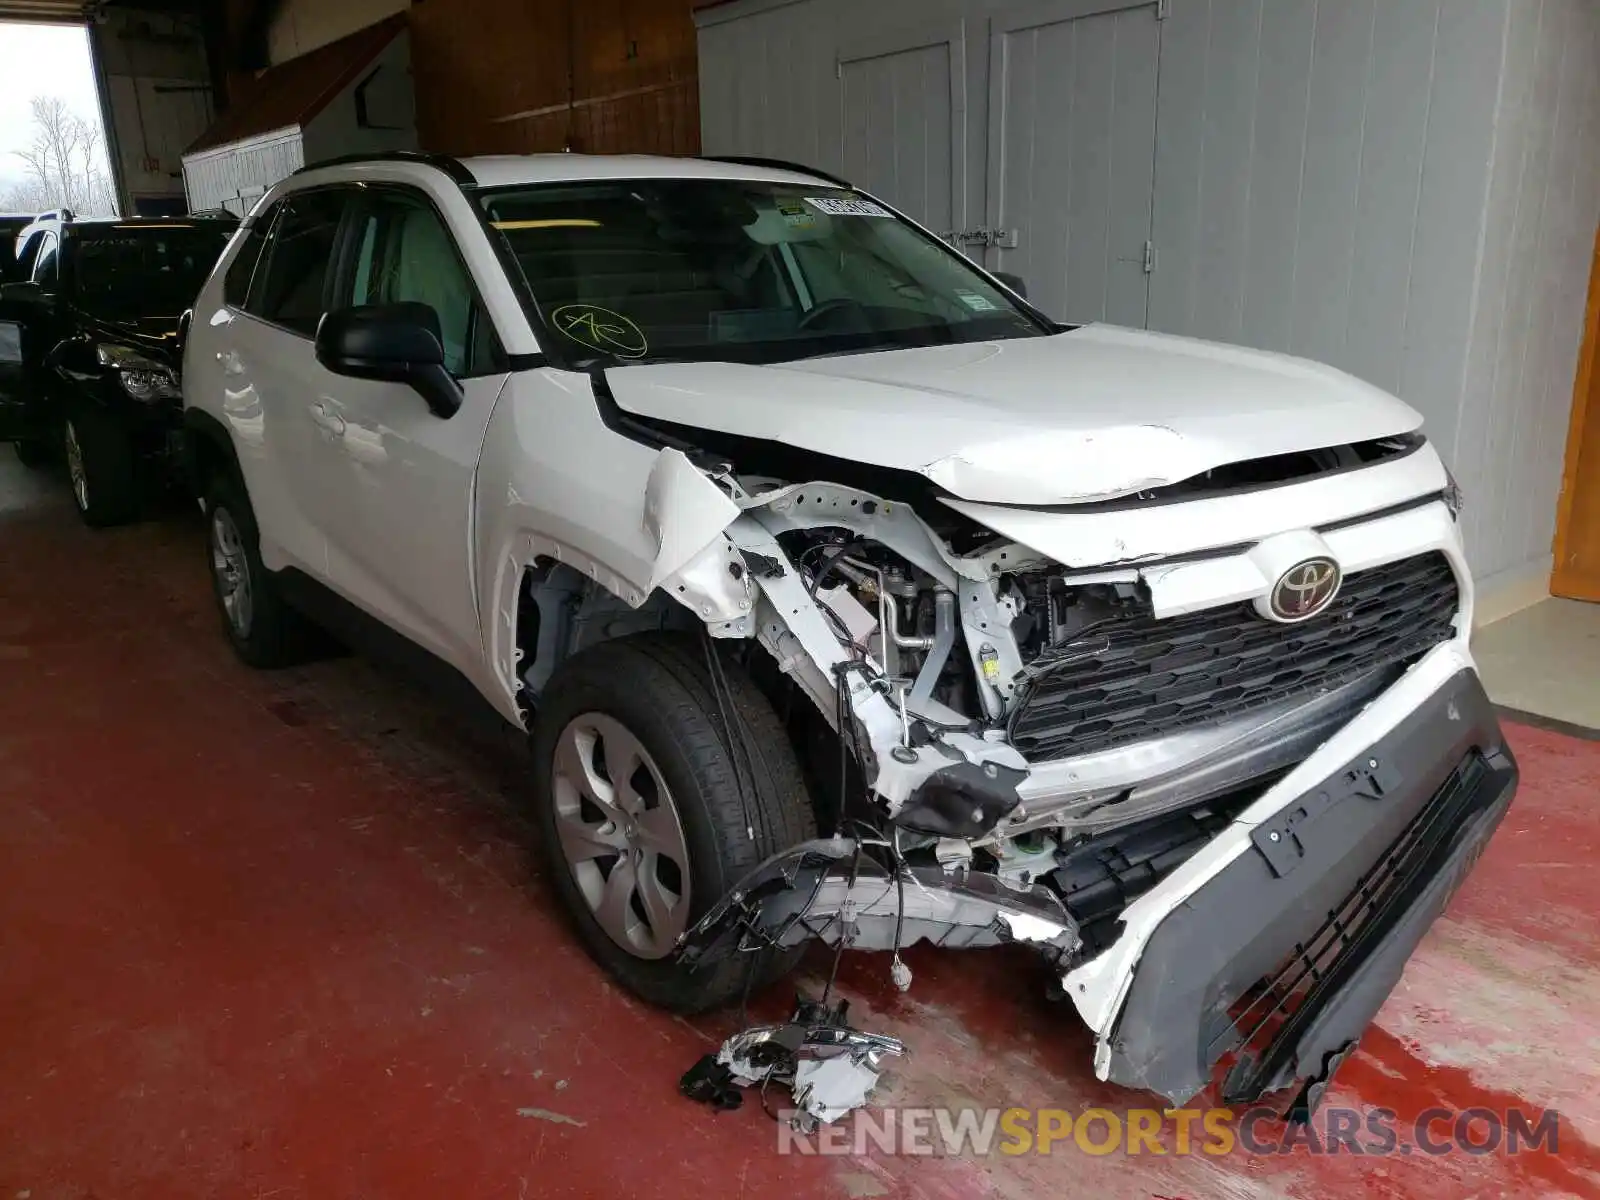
(1130, 679)
(1271, 1021)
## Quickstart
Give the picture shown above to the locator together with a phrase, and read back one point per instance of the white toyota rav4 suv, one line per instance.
(844, 595)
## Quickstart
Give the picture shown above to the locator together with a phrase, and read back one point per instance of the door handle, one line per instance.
(324, 416)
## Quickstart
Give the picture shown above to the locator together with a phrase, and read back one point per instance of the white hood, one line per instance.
(1092, 414)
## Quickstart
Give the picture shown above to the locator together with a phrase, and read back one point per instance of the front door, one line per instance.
(399, 523)
(1577, 569)
(1072, 147)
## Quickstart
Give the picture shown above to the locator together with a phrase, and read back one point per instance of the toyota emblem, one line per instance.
(1305, 589)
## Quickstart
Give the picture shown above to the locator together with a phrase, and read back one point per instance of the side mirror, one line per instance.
(391, 343)
(1016, 283)
(24, 292)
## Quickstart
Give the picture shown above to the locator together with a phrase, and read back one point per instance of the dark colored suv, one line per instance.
(90, 347)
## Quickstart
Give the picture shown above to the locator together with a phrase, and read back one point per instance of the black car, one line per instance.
(90, 348)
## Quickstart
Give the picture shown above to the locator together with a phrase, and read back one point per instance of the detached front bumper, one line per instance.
(1286, 953)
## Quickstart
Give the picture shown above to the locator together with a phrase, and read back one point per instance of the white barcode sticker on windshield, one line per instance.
(847, 206)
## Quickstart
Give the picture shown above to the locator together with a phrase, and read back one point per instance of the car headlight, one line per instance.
(144, 379)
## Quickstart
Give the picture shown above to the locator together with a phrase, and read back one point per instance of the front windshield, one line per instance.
(704, 269)
(125, 271)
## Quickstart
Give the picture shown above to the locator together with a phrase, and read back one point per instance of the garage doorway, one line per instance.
(52, 141)
(1577, 549)
(1072, 148)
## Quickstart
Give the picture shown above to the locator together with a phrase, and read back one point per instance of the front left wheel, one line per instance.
(650, 808)
(102, 467)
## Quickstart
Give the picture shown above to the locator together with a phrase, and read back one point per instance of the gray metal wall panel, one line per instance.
(1543, 206)
(768, 86)
(899, 124)
(1445, 255)
(1227, 133)
(1180, 135)
(1072, 165)
(1393, 155)
(1277, 164)
(1340, 70)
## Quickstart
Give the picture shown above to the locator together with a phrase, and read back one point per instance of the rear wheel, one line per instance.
(650, 809)
(264, 630)
(102, 467)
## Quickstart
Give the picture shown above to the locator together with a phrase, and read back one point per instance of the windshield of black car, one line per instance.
(126, 271)
(708, 270)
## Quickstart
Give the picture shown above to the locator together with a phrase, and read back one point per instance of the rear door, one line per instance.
(273, 387)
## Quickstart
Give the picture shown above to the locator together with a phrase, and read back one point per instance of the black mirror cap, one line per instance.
(1016, 283)
(390, 343)
(23, 292)
(380, 341)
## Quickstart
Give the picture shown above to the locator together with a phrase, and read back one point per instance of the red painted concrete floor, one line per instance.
(279, 936)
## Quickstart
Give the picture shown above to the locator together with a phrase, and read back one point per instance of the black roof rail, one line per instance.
(776, 164)
(452, 167)
(57, 214)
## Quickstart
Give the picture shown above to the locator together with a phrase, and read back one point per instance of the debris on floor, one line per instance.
(829, 1067)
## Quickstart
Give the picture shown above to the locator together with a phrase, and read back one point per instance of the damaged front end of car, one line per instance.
(1223, 822)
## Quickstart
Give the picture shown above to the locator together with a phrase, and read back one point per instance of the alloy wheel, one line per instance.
(621, 835)
(75, 469)
(231, 568)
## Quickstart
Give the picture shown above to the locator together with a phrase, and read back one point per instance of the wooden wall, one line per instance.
(595, 76)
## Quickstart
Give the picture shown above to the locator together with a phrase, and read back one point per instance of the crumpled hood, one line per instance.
(1091, 414)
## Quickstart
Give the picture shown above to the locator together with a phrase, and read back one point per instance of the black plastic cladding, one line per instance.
(1156, 677)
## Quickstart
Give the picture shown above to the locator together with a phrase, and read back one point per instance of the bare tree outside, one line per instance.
(65, 164)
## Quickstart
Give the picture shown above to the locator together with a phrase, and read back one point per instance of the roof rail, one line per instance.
(450, 166)
(57, 214)
(776, 164)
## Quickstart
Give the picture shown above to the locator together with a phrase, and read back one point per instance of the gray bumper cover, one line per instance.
(1287, 955)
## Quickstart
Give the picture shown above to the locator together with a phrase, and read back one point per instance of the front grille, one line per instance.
(1271, 1020)
(1133, 678)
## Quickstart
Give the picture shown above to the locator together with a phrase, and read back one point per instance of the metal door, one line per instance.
(1072, 144)
(904, 108)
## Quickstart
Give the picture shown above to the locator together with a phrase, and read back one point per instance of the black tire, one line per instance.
(272, 634)
(106, 492)
(34, 455)
(658, 687)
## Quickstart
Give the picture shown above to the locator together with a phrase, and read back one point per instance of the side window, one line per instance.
(291, 293)
(404, 251)
(236, 284)
(47, 267)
